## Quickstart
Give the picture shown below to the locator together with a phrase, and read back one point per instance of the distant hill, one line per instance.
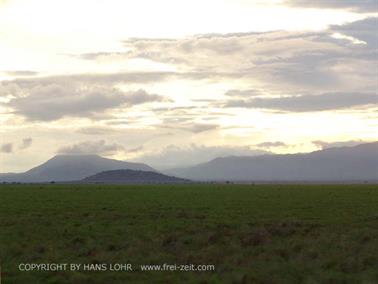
(72, 167)
(358, 163)
(132, 177)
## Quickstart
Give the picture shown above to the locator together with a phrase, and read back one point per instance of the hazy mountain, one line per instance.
(356, 163)
(72, 167)
(132, 177)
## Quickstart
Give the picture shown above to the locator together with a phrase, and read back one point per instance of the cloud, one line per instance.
(326, 145)
(141, 96)
(9, 147)
(99, 55)
(97, 130)
(364, 30)
(135, 150)
(312, 64)
(364, 6)
(279, 60)
(201, 127)
(293, 62)
(271, 144)
(213, 54)
(238, 55)
(47, 102)
(189, 126)
(174, 156)
(92, 147)
(101, 79)
(243, 93)
(307, 103)
(231, 53)
(21, 73)
(26, 143)
(6, 148)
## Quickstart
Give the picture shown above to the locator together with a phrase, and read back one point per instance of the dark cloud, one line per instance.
(6, 148)
(302, 103)
(117, 122)
(186, 124)
(325, 145)
(365, 6)
(9, 147)
(98, 147)
(92, 147)
(243, 93)
(327, 60)
(306, 70)
(271, 144)
(365, 30)
(135, 150)
(97, 130)
(201, 127)
(26, 143)
(47, 102)
(141, 96)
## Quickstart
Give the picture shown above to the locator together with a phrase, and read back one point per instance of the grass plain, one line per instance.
(251, 233)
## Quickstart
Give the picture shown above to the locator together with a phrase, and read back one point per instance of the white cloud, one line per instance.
(349, 38)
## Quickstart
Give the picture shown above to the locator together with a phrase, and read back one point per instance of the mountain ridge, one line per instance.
(71, 167)
(132, 177)
(332, 164)
(344, 163)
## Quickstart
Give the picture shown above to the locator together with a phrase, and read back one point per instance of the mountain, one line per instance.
(132, 177)
(72, 167)
(358, 163)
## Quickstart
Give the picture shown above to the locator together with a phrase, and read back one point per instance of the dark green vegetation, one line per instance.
(252, 234)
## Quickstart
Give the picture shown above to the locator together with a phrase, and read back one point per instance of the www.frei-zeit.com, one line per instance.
(113, 267)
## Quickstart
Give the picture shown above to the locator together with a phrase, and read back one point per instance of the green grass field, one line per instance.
(252, 234)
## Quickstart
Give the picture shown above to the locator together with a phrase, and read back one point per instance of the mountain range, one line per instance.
(344, 164)
(358, 163)
(72, 167)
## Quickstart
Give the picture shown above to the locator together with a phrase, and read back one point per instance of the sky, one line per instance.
(176, 83)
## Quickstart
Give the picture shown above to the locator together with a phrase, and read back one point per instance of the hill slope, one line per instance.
(356, 163)
(132, 177)
(71, 167)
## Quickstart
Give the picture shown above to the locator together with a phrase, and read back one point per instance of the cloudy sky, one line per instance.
(174, 83)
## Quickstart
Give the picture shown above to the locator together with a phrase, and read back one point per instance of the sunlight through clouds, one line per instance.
(157, 74)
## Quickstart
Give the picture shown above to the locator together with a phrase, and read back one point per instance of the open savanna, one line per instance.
(251, 233)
